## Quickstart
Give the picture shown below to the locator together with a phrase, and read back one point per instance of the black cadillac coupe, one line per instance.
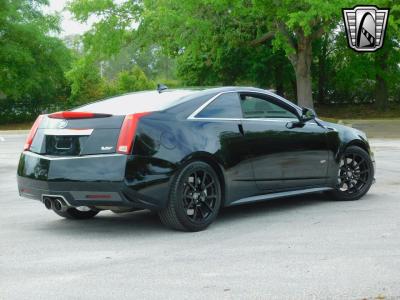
(187, 153)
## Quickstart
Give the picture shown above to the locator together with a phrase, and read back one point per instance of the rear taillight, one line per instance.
(128, 132)
(32, 133)
(77, 115)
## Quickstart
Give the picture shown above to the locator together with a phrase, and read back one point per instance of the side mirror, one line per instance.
(307, 114)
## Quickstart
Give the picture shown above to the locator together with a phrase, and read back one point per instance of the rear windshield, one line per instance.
(137, 102)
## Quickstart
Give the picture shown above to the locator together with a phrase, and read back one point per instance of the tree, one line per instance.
(32, 60)
(86, 83)
(209, 41)
(133, 80)
(292, 24)
(387, 59)
(251, 41)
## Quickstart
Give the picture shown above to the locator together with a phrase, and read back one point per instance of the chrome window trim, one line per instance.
(192, 116)
(71, 157)
(204, 105)
(68, 132)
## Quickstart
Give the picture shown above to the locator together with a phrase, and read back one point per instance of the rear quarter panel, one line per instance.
(166, 142)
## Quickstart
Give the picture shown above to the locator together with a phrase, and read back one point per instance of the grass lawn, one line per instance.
(16, 126)
(357, 111)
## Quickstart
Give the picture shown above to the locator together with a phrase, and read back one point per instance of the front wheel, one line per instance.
(194, 199)
(355, 174)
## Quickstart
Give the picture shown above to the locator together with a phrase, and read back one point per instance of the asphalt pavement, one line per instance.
(307, 247)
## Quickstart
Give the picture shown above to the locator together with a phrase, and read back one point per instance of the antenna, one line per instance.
(161, 87)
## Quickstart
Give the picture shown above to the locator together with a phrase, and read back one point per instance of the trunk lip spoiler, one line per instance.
(68, 115)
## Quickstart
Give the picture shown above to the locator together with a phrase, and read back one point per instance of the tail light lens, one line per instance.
(76, 115)
(32, 133)
(128, 132)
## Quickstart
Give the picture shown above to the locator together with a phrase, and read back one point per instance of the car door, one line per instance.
(220, 120)
(282, 157)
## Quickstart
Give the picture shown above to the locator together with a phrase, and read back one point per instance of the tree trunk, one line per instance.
(322, 71)
(302, 67)
(279, 76)
(381, 88)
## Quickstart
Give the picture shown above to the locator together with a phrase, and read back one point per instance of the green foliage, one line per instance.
(86, 83)
(135, 44)
(133, 80)
(32, 62)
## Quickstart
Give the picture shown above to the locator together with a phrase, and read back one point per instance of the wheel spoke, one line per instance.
(203, 180)
(209, 207)
(191, 186)
(201, 212)
(195, 179)
(209, 184)
(361, 162)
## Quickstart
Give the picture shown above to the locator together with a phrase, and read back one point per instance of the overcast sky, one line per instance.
(68, 25)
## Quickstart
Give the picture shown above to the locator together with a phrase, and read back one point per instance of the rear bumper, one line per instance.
(96, 180)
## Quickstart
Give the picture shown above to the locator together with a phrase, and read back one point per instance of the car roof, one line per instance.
(155, 101)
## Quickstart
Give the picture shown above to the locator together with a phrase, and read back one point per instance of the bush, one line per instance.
(133, 80)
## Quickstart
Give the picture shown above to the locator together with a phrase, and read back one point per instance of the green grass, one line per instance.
(16, 126)
(357, 111)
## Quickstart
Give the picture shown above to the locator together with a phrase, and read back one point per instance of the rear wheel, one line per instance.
(194, 200)
(76, 214)
(355, 174)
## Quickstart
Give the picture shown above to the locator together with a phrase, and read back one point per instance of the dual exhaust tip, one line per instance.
(55, 203)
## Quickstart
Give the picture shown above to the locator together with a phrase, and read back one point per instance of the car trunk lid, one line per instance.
(75, 134)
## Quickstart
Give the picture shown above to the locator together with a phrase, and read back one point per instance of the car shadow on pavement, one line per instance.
(109, 224)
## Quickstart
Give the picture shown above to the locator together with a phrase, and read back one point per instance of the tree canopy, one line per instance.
(297, 48)
(32, 62)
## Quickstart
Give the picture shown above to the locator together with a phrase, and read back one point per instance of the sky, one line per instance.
(68, 25)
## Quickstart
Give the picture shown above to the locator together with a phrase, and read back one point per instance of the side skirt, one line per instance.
(278, 195)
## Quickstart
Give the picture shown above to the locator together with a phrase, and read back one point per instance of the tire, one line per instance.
(356, 182)
(75, 214)
(194, 198)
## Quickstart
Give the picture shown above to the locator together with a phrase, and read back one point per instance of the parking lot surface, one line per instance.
(307, 247)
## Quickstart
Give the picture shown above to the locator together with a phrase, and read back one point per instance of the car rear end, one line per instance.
(75, 159)
(102, 155)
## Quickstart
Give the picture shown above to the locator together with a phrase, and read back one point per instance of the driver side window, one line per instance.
(255, 107)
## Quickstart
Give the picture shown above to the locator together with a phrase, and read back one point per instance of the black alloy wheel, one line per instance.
(195, 198)
(199, 195)
(355, 174)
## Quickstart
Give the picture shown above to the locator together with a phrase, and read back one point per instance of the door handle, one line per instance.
(241, 129)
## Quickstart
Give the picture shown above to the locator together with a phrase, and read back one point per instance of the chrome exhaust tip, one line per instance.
(47, 203)
(58, 205)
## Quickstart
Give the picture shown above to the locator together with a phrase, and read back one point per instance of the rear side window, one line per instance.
(224, 106)
(138, 102)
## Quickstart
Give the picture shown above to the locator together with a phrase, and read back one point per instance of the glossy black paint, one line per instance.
(251, 157)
